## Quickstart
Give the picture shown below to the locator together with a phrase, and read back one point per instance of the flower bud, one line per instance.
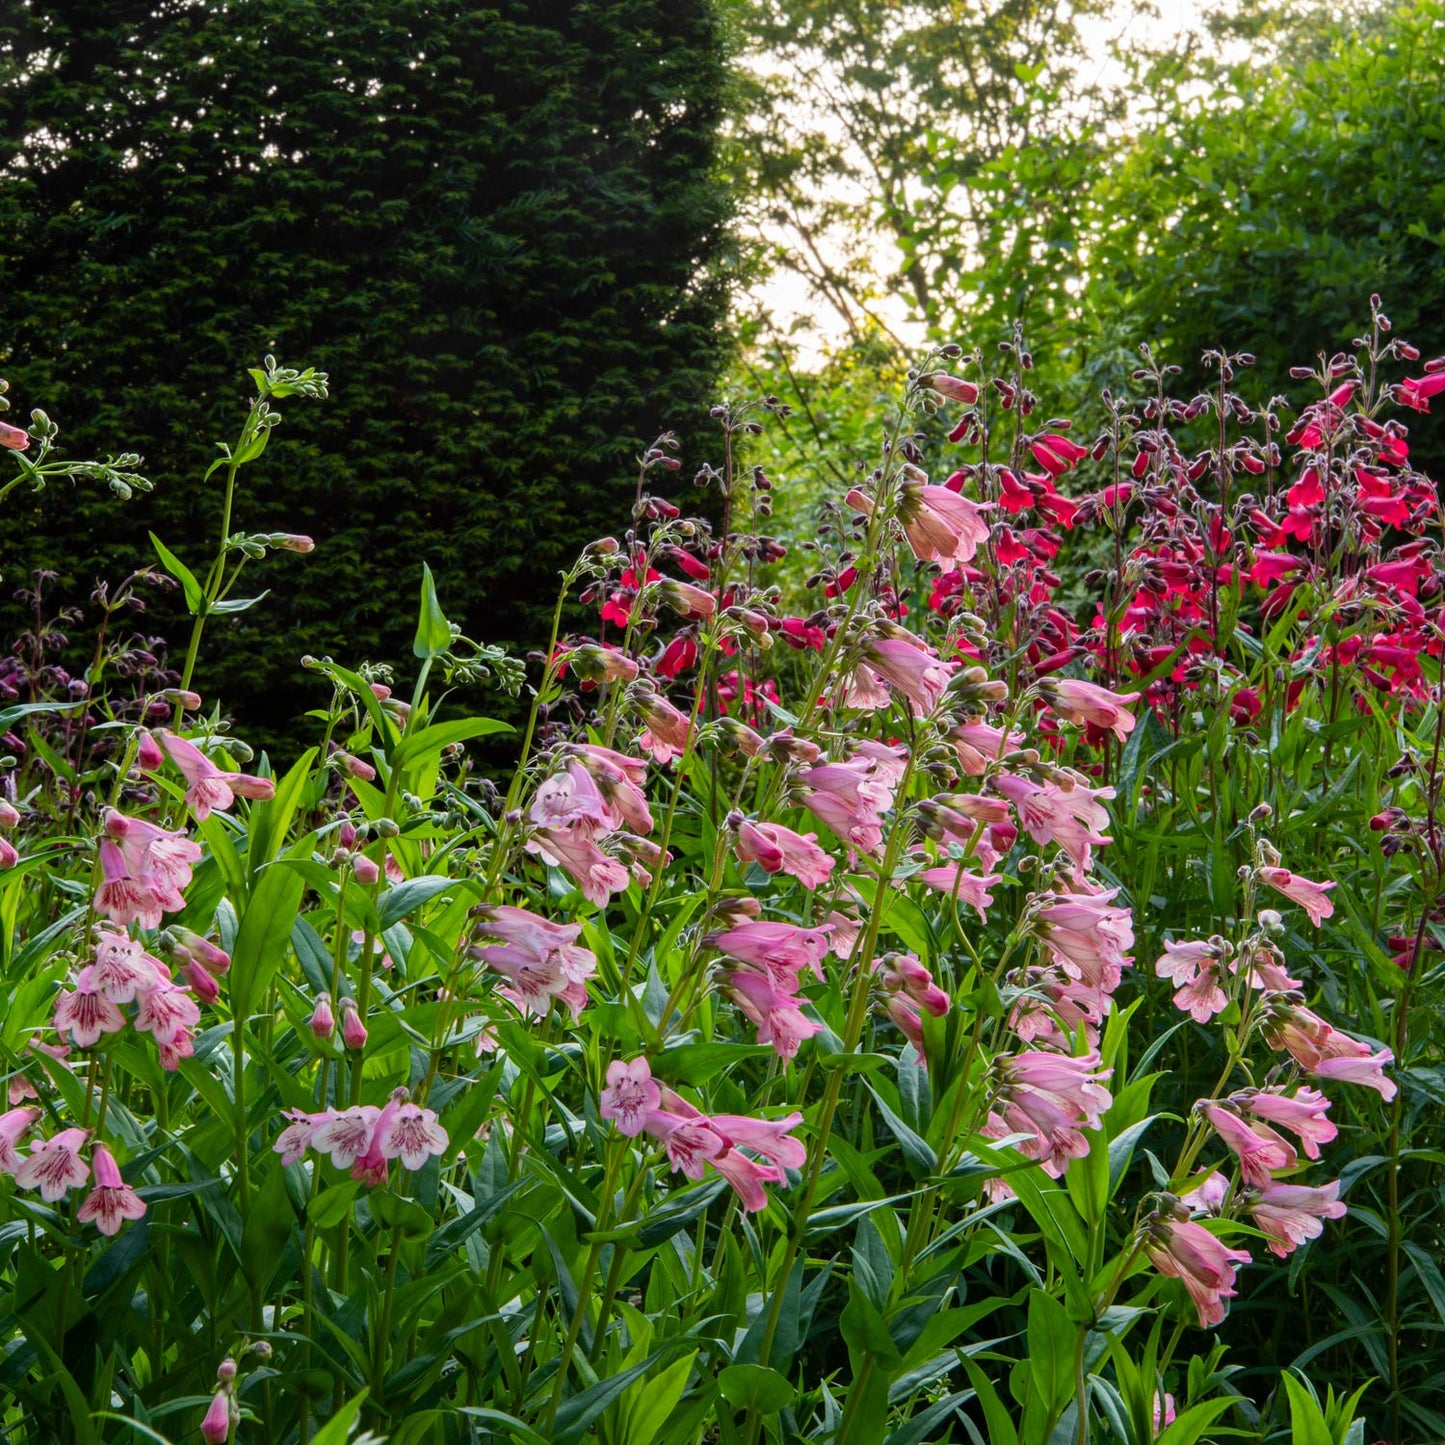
(353, 1031)
(365, 870)
(353, 767)
(216, 1427)
(148, 754)
(323, 1021)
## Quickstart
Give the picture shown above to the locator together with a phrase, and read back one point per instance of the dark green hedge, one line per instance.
(499, 227)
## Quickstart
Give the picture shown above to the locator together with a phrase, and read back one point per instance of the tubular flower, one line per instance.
(940, 525)
(1053, 1097)
(1051, 813)
(631, 1094)
(1312, 897)
(1206, 1266)
(850, 799)
(1084, 702)
(910, 669)
(954, 879)
(54, 1166)
(692, 1141)
(13, 1126)
(413, 1135)
(209, 789)
(667, 730)
(1259, 1149)
(1302, 1113)
(1291, 1214)
(1326, 1052)
(978, 745)
(1087, 936)
(123, 897)
(777, 1012)
(112, 1201)
(776, 849)
(781, 950)
(571, 799)
(598, 875)
(86, 1014)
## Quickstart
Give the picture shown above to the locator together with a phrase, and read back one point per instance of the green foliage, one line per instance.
(1263, 208)
(920, 156)
(500, 224)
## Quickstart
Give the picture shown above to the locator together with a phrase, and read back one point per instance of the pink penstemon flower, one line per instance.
(85, 1014)
(692, 1140)
(781, 950)
(667, 732)
(1085, 702)
(216, 1423)
(411, 1135)
(631, 1094)
(621, 781)
(777, 849)
(1051, 813)
(850, 798)
(598, 875)
(161, 858)
(979, 745)
(345, 1135)
(208, 788)
(1052, 1096)
(1292, 1214)
(298, 1136)
(1325, 1051)
(112, 1201)
(14, 1125)
(775, 1011)
(572, 799)
(1259, 1149)
(1312, 897)
(1302, 1113)
(940, 525)
(1087, 935)
(1197, 967)
(910, 668)
(1206, 1266)
(955, 880)
(121, 896)
(54, 1165)
(166, 1011)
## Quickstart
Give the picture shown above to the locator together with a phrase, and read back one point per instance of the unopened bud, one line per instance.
(323, 1021)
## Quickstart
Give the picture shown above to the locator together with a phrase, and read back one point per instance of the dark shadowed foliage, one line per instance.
(498, 227)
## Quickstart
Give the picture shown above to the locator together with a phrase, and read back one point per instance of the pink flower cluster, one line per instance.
(122, 972)
(364, 1139)
(54, 1167)
(537, 960)
(596, 796)
(692, 1140)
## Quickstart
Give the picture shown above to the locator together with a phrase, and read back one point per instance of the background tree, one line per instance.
(882, 140)
(1264, 201)
(498, 227)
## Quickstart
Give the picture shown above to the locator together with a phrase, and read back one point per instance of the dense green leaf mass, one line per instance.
(498, 227)
(1267, 211)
